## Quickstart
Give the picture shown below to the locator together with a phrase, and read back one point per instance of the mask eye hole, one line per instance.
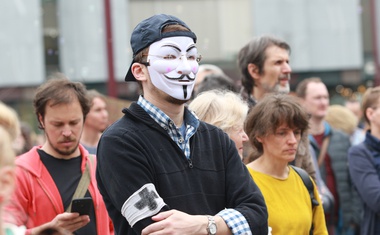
(169, 57)
(196, 58)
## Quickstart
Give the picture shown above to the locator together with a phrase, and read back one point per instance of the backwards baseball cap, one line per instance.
(149, 31)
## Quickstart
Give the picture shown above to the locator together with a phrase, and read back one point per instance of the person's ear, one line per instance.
(253, 70)
(259, 139)
(139, 71)
(369, 112)
(7, 182)
(41, 120)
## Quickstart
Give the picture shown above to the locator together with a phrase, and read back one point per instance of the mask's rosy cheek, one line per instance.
(163, 66)
(194, 68)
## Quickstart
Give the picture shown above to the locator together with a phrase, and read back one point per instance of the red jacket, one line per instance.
(36, 199)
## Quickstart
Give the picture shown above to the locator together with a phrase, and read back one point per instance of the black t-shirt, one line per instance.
(66, 175)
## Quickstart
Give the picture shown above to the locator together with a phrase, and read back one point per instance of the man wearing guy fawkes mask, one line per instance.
(173, 63)
(160, 169)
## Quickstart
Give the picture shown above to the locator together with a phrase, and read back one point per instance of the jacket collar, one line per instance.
(31, 160)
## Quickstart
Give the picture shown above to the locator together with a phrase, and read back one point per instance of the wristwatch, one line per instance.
(211, 227)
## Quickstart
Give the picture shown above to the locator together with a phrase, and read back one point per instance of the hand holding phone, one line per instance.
(82, 206)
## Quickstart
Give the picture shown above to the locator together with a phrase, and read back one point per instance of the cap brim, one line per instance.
(129, 77)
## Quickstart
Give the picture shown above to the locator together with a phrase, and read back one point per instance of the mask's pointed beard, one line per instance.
(184, 91)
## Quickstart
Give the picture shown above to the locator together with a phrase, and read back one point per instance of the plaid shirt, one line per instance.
(174, 132)
(233, 218)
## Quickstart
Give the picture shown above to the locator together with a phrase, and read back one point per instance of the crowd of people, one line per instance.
(197, 153)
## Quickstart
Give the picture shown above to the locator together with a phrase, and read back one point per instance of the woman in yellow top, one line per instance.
(274, 126)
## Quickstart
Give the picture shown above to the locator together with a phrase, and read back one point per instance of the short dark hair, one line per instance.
(60, 90)
(255, 52)
(270, 113)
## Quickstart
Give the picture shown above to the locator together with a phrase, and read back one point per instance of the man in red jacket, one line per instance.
(48, 176)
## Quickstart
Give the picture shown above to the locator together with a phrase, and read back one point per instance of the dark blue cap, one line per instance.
(149, 31)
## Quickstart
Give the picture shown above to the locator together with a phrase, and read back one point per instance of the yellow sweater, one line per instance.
(289, 205)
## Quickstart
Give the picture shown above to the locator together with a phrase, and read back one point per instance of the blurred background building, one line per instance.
(88, 40)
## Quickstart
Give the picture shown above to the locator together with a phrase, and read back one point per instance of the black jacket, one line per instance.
(135, 151)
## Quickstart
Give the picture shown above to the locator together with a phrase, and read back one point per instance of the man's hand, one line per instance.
(176, 222)
(67, 221)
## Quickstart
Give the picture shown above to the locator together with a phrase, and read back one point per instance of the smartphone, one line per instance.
(82, 206)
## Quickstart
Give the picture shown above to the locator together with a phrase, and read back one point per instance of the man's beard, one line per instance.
(167, 97)
(176, 101)
(65, 151)
(278, 89)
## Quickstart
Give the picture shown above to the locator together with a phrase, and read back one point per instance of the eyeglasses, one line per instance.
(196, 57)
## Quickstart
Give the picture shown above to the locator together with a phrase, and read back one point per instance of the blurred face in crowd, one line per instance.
(173, 66)
(373, 114)
(276, 71)
(19, 143)
(281, 146)
(238, 135)
(200, 77)
(7, 171)
(97, 118)
(355, 107)
(316, 100)
(63, 125)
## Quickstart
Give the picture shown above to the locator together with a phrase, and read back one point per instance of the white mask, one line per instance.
(173, 64)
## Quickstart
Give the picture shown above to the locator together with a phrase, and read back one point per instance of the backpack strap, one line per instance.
(308, 184)
(83, 182)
